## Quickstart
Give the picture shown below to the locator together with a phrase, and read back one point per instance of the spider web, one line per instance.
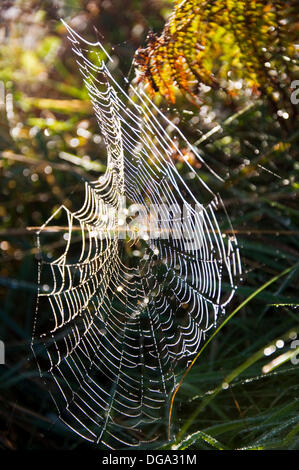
(118, 319)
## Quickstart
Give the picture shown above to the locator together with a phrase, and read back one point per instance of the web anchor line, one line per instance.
(114, 329)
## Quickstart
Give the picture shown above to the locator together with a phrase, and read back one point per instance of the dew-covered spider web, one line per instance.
(131, 282)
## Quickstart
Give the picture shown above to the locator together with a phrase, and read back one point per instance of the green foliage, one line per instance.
(235, 396)
(228, 45)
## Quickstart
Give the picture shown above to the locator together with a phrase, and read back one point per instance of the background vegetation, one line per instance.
(242, 392)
